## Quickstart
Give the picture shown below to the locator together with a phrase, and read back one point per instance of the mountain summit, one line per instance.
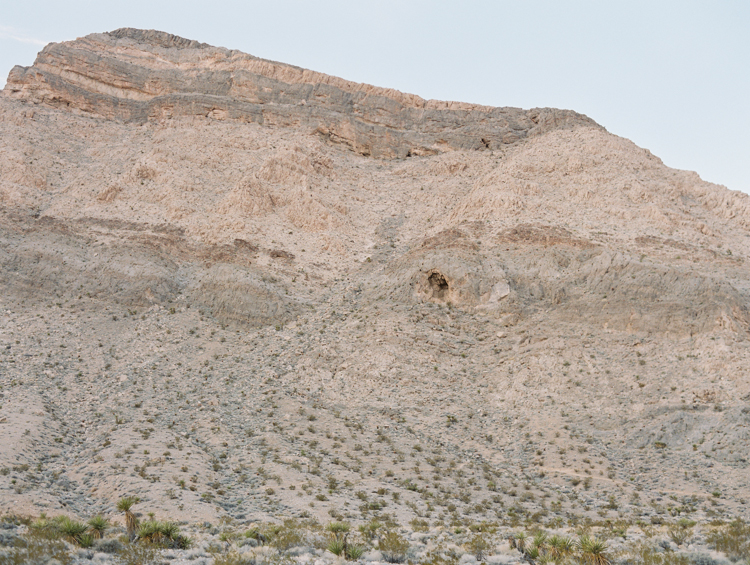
(135, 76)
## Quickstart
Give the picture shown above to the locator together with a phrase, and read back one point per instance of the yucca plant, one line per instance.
(340, 533)
(72, 529)
(540, 541)
(520, 541)
(97, 526)
(553, 547)
(593, 551)
(559, 547)
(86, 540)
(151, 531)
(354, 552)
(566, 546)
(131, 522)
(163, 533)
(336, 546)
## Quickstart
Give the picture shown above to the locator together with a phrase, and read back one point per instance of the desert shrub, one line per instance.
(256, 534)
(732, 539)
(419, 525)
(281, 536)
(46, 528)
(233, 558)
(369, 530)
(393, 547)
(645, 554)
(109, 545)
(478, 546)
(338, 528)
(16, 520)
(682, 531)
(138, 554)
(258, 556)
(36, 548)
(288, 538)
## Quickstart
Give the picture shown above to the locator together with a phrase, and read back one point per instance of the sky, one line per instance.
(672, 76)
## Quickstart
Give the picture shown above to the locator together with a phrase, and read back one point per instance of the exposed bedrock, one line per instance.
(49, 259)
(569, 279)
(137, 76)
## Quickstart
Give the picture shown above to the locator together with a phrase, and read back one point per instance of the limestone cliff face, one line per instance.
(136, 76)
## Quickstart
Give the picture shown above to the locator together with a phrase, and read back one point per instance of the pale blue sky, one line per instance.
(673, 76)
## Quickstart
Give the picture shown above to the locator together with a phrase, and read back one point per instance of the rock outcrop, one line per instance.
(136, 76)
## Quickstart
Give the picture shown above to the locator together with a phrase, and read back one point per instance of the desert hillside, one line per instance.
(245, 291)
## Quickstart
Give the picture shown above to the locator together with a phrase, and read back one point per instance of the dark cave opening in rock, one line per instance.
(438, 285)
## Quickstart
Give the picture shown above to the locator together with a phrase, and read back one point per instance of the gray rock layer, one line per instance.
(136, 75)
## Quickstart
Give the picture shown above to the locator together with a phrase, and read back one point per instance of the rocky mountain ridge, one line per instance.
(136, 76)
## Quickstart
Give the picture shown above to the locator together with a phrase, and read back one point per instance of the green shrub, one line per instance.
(36, 548)
(338, 528)
(288, 538)
(233, 558)
(370, 530)
(420, 525)
(478, 546)
(643, 554)
(682, 531)
(732, 539)
(393, 547)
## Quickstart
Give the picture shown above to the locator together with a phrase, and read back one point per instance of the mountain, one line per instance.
(235, 287)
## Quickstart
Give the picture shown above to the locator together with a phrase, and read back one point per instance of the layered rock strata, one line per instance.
(136, 76)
